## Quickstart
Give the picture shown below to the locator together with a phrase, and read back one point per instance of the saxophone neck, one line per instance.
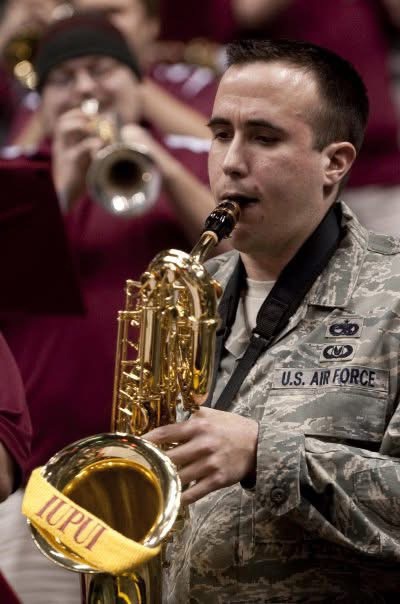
(207, 241)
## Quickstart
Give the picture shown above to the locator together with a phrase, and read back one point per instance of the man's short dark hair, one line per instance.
(343, 113)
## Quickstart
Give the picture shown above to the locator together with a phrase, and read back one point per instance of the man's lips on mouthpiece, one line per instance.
(242, 200)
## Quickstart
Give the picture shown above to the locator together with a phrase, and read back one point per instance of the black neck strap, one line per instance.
(281, 303)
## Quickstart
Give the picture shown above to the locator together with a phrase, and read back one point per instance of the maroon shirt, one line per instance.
(67, 361)
(212, 19)
(15, 425)
(7, 594)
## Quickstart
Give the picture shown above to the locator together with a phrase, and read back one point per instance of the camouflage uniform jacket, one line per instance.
(323, 521)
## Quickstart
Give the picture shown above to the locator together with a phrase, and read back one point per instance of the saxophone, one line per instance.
(165, 356)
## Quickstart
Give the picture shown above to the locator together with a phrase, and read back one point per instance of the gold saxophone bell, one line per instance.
(118, 478)
(122, 178)
(20, 51)
(165, 356)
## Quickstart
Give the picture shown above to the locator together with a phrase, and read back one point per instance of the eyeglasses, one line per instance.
(98, 70)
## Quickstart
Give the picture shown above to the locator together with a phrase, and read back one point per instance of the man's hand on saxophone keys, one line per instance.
(215, 449)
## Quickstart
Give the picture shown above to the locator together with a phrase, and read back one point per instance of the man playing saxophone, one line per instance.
(292, 469)
(67, 360)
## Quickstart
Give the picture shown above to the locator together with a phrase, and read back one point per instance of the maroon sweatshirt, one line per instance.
(15, 425)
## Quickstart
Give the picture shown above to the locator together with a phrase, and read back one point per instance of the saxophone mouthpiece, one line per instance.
(223, 219)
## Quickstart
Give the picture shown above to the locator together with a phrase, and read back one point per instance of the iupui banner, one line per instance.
(58, 519)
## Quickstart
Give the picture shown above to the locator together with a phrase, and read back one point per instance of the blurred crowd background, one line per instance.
(180, 47)
(189, 47)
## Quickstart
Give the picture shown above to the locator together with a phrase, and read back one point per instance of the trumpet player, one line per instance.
(173, 107)
(67, 362)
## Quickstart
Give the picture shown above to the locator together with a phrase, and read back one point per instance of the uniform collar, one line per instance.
(334, 287)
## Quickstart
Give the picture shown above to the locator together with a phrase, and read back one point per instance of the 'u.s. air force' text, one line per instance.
(354, 376)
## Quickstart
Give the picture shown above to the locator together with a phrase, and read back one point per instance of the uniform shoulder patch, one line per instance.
(337, 352)
(384, 244)
(345, 327)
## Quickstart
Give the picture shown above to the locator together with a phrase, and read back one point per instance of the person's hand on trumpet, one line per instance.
(75, 142)
(79, 135)
(135, 135)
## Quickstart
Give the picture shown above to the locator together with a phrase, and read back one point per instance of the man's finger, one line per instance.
(172, 433)
(184, 454)
(196, 492)
(193, 472)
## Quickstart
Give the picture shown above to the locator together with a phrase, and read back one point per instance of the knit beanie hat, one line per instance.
(81, 35)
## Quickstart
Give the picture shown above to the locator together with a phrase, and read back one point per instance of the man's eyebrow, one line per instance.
(218, 121)
(260, 123)
(251, 123)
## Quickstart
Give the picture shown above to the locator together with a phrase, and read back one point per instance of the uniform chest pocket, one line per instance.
(339, 403)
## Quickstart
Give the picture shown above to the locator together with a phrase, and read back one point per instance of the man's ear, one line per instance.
(338, 159)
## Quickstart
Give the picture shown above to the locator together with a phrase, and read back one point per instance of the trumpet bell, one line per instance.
(120, 478)
(124, 180)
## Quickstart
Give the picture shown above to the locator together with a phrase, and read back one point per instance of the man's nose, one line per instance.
(235, 162)
(85, 83)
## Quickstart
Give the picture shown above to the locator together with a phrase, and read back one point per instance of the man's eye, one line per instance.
(221, 135)
(101, 70)
(266, 140)
(59, 79)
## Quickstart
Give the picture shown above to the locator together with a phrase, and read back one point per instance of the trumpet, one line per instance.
(122, 178)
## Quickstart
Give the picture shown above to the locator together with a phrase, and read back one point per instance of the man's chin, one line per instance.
(241, 239)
